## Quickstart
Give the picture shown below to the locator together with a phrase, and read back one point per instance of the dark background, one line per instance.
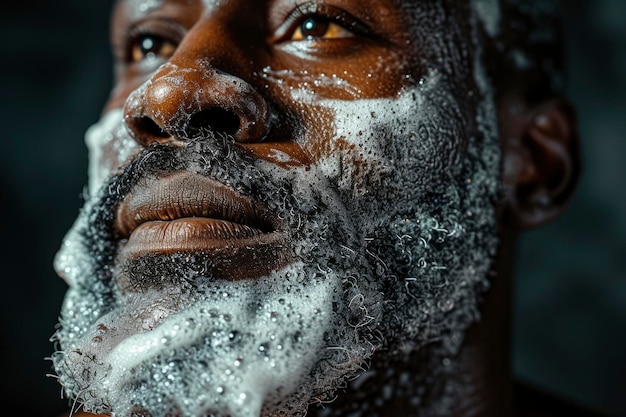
(570, 305)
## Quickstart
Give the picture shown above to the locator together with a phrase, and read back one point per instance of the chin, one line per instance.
(244, 348)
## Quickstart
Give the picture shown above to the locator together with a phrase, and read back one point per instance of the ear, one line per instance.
(541, 160)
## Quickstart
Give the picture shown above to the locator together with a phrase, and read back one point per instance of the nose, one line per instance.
(179, 103)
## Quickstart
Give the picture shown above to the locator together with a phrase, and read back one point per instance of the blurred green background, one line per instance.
(570, 305)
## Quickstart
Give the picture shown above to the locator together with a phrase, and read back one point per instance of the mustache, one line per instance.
(211, 155)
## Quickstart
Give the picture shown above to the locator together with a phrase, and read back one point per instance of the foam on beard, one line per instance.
(240, 347)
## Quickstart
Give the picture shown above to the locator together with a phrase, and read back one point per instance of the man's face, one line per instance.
(278, 191)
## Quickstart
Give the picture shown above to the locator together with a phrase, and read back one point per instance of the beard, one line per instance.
(378, 274)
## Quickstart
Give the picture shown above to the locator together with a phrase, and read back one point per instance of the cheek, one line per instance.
(356, 156)
(341, 143)
(365, 146)
(110, 147)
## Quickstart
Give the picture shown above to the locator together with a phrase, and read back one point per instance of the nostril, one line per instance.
(149, 127)
(216, 119)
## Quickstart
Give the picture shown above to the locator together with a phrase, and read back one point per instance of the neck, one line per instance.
(474, 383)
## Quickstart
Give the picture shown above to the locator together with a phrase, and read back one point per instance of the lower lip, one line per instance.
(236, 251)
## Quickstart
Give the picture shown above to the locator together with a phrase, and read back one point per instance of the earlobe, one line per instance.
(541, 162)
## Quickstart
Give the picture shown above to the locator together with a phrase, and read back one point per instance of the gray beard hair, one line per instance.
(411, 275)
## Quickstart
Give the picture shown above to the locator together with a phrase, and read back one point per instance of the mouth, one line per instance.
(189, 213)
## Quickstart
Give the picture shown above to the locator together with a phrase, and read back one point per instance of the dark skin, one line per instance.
(243, 54)
(224, 49)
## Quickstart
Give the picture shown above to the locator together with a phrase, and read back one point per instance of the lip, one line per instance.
(189, 213)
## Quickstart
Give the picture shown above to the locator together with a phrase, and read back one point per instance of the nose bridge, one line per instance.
(196, 90)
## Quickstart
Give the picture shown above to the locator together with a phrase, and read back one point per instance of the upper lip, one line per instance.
(185, 195)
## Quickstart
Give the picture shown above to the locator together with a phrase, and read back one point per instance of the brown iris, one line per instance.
(319, 28)
(150, 46)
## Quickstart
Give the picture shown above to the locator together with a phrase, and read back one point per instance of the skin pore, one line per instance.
(297, 206)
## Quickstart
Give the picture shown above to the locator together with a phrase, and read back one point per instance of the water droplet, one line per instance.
(243, 398)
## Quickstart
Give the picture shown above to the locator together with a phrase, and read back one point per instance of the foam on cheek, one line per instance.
(370, 127)
(259, 340)
(307, 83)
(109, 147)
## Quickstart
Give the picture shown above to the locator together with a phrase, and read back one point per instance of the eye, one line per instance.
(316, 27)
(319, 22)
(144, 47)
